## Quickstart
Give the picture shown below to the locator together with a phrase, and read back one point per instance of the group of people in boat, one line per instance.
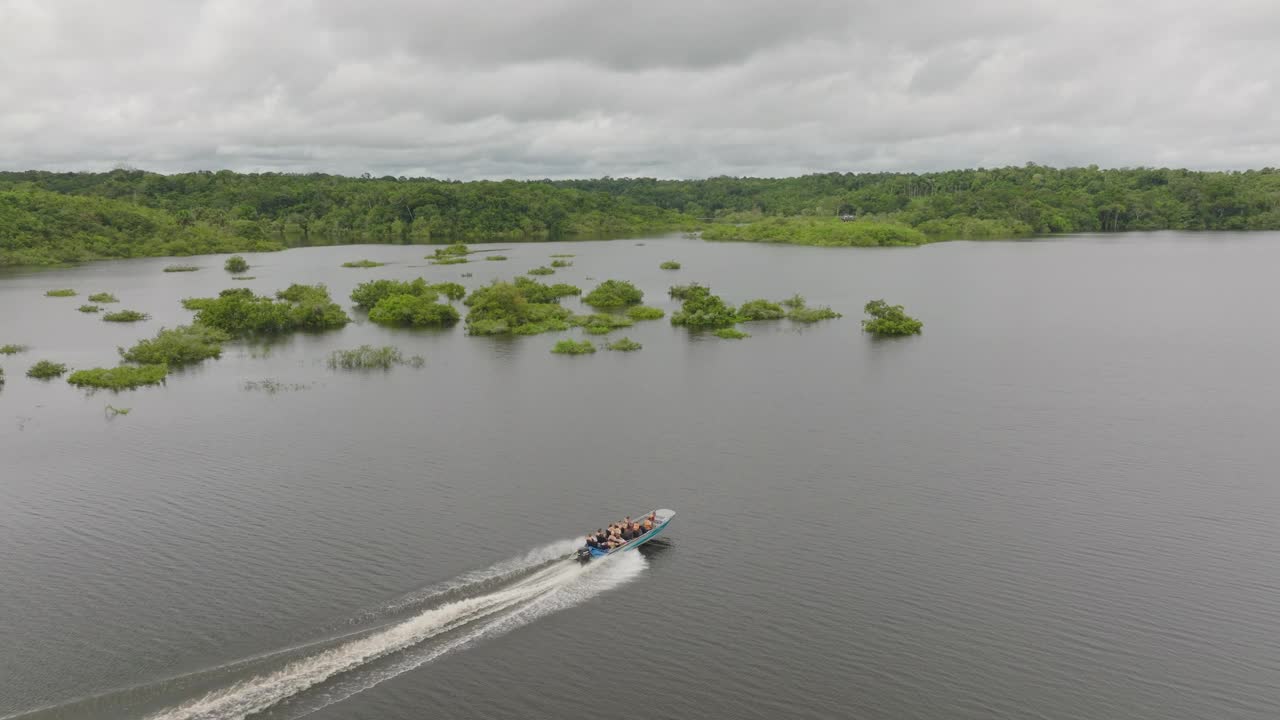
(621, 533)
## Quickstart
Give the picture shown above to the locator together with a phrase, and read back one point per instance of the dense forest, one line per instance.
(66, 217)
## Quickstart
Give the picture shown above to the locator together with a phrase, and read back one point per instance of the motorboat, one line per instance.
(587, 552)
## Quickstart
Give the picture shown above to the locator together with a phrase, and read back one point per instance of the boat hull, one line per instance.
(664, 518)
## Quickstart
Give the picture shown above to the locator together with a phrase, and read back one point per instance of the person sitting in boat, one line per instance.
(592, 542)
(647, 525)
(653, 517)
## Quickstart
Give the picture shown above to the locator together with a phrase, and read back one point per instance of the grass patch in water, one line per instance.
(600, 323)
(544, 270)
(362, 264)
(570, 347)
(123, 377)
(125, 316)
(561, 263)
(753, 310)
(103, 297)
(368, 357)
(13, 349)
(624, 344)
(670, 265)
(183, 345)
(46, 369)
(181, 268)
(644, 312)
(89, 309)
(64, 292)
(243, 277)
(271, 387)
(447, 260)
(812, 314)
(731, 333)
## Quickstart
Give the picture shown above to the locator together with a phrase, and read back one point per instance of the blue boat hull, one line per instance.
(664, 518)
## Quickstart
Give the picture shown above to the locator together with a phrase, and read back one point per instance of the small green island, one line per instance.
(889, 320)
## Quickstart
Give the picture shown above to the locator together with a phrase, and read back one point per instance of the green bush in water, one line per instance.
(520, 308)
(670, 265)
(125, 316)
(238, 312)
(89, 309)
(365, 357)
(123, 377)
(13, 349)
(644, 312)
(540, 293)
(451, 290)
(760, 310)
(809, 315)
(181, 268)
(561, 263)
(731, 333)
(234, 264)
(451, 251)
(624, 344)
(600, 323)
(183, 345)
(795, 301)
(542, 271)
(570, 347)
(614, 293)
(362, 264)
(447, 260)
(682, 292)
(495, 258)
(65, 292)
(46, 369)
(701, 309)
(412, 310)
(889, 319)
(102, 297)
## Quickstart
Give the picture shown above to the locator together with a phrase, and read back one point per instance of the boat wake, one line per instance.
(392, 639)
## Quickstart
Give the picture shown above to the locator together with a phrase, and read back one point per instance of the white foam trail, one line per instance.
(541, 592)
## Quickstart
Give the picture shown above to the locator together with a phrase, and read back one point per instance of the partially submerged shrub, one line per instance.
(102, 297)
(561, 263)
(236, 264)
(670, 265)
(243, 277)
(682, 292)
(814, 314)
(89, 308)
(238, 312)
(644, 312)
(523, 307)
(123, 377)
(454, 250)
(451, 290)
(541, 293)
(183, 345)
(889, 319)
(495, 257)
(65, 292)
(368, 294)
(731, 333)
(362, 264)
(600, 323)
(795, 301)
(570, 347)
(365, 357)
(562, 255)
(760, 310)
(46, 369)
(447, 260)
(614, 293)
(702, 309)
(624, 344)
(181, 268)
(125, 316)
(13, 349)
(412, 310)
(542, 271)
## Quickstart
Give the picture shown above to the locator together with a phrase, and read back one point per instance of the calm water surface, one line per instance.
(1059, 502)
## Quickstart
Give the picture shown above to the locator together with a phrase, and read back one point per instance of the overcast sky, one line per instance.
(665, 88)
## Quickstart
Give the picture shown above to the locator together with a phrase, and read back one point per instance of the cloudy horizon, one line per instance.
(570, 88)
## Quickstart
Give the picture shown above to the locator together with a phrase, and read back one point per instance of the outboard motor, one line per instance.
(583, 554)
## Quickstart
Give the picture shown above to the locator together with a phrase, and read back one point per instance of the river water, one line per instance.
(1060, 501)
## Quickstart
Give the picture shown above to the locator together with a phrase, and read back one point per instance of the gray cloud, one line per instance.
(671, 89)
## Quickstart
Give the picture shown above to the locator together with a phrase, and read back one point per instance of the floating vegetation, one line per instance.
(65, 292)
(122, 377)
(103, 297)
(13, 349)
(760, 310)
(362, 264)
(112, 411)
(570, 347)
(243, 277)
(543, 270)
(495, 258)
(271, 387)
(682, 292)
(523, 307)
(889, 319)
(368, 357)
(181, 268)
(670, 265)
(46, 369)
(600, 323)
(368, 294)
(731, 333)
(89, 308)
(614, 293)
(795, 301)
(236, 264)
(238, 312)
(561, 263)
(701, 309)
(447, 260)
(812, 314)
(126, 316)
(563, 255)
(183, 345)
(413, 310)
(624, 344)
(644, 312)
(454, 250)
